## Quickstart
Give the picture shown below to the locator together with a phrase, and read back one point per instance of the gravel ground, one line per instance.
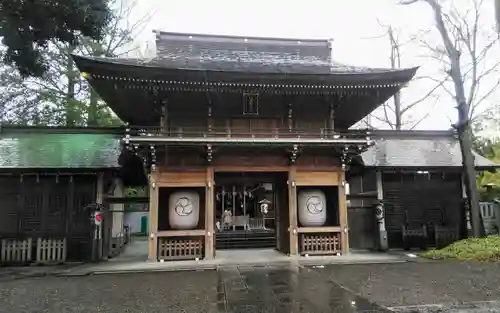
(152, 292)
(413, 283)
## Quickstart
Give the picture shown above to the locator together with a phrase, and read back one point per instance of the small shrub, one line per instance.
(477, 249)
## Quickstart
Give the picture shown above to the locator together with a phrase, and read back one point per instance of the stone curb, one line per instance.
(76, 272)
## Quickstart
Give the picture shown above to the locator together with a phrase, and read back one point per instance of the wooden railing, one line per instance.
(283, 133)
(320, 244)
(180, 248)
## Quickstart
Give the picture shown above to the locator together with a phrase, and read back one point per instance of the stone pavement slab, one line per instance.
(10, 273)
(234, 257)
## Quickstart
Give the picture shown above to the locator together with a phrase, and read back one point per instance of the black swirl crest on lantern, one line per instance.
(183, 206)
(314, 205)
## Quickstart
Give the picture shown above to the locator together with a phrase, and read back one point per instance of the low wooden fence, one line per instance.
(22, 251)
(16, 251)
(179, 248)
(490, 215)
(51, 251)
(320, 244)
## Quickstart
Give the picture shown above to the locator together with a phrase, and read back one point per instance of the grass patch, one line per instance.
(471, 249)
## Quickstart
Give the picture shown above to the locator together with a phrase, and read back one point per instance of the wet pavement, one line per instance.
(406, 287)
(444, 284)
(277, 288)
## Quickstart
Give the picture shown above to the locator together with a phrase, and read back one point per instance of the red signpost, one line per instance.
(98, 217)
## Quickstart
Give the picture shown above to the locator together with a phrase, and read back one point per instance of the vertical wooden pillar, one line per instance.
(102, 231)
(210, 122)
(209, 215)
(164, 117)
(331, 119)
(383, 244)
(292, 206)
(344, 236)
(153, 217)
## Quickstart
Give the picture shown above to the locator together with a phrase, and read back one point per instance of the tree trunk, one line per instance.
(92, 111)
(497, 14)
(396, 63)
(463, 125)
(70, 91)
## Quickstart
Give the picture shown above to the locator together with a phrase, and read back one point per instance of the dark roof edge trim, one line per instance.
(411, 133)
(478, 167)
(56, 170)
(8, 129)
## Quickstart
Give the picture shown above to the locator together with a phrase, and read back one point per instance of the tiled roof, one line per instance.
(58, 150)
(232, 53)
(250, 54)
(240, 54)
(233, 61)
(46, 149)
(415, 149)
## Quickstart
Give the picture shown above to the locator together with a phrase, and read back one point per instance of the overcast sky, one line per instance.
(353, 25)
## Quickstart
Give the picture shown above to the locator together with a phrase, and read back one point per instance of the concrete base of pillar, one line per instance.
(383, 243)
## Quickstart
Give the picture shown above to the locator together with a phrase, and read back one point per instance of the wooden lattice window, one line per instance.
(250, 103)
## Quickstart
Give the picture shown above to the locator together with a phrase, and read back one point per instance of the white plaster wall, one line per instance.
(133, 220)
(118, 214)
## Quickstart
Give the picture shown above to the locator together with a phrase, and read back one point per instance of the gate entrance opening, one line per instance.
(249, 209)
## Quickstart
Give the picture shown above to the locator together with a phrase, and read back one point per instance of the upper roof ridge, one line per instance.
(164, 35)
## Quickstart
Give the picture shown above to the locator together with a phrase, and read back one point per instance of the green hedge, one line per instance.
(476, 249)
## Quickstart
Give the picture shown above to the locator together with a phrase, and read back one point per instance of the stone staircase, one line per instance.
(246, 239)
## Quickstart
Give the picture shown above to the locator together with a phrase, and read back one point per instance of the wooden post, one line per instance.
(153, 218)
(344, 236)
(209, 215)
(100, 230)
(164, 128)
(382, 232)
(292, 206)
(331, 119)
(164, 118)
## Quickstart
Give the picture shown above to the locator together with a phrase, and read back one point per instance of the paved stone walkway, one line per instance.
(242, 289)
(402, 287)
(447, 286)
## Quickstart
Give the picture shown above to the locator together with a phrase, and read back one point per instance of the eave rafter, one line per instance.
(208, 86)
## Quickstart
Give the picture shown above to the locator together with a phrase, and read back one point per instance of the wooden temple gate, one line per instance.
(292, 238)
(255, 109)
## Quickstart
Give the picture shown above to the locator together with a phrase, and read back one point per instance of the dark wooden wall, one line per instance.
(427, 199)
(309, 113)
(46, 206)
(362, 227)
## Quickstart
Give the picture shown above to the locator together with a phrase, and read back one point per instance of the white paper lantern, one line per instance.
(184, 209)
(312, 208)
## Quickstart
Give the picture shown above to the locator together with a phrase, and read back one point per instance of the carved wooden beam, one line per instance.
(209, 153)
(164, 116)
(294, 154)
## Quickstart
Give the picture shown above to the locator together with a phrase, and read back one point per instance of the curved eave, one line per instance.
(108, 75)
(150, 70)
